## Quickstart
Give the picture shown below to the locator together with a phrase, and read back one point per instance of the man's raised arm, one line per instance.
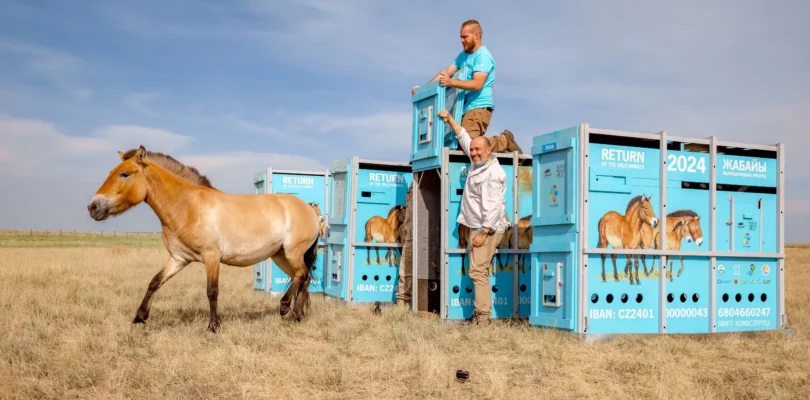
(463, 138)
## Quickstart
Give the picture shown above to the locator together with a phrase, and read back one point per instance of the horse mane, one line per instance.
(633, 202)
(168, 162)
(682, 213)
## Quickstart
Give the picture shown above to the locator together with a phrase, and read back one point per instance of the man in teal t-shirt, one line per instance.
(478, 80)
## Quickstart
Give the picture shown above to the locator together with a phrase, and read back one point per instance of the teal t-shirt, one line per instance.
(479, 61)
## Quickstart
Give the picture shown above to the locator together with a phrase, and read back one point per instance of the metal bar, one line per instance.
(759, 205)
(381, 162)
(327, 226)
(497, 251)
(688, 140)
(299, 172)
(352, 227)
(444, 176)
(750, 146)
(685, 253)
(495, 155)
(713, 234)
(662, 201)
(731, 225)
(375, 244)
(613, 132)
(780, 233)
(584, 189)
(417, 176)
(515, 217)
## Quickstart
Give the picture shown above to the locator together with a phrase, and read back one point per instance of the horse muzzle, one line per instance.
(699, 241)
(99, 208)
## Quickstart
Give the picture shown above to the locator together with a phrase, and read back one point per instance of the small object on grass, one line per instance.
(376, 309)
(462, 375)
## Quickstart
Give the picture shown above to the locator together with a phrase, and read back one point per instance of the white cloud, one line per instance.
(29, 145)
(38, 160)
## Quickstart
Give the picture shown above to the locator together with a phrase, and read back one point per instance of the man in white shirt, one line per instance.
(483, 207)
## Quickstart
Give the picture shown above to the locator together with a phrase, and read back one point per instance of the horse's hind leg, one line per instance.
(628, 267)
(211, 262)
(298, 292)
(615, 271)
(644, 263)
(171, 267)
(280, 259)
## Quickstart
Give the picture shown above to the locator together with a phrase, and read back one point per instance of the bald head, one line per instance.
(481, 142)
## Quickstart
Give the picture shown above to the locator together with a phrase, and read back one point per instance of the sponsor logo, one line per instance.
(552, 194)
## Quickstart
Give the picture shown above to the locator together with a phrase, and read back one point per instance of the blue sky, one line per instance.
(232, 87)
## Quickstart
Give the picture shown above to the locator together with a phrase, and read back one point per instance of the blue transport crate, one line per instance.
(312, 187)
(441, 267)
(598, 210)
(366, 210)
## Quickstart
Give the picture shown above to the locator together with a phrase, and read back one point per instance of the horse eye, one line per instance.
(124, 175)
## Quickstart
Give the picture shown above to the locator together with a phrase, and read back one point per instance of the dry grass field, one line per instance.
(65, 314)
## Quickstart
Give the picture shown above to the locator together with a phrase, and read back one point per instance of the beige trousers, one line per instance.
(480, 257)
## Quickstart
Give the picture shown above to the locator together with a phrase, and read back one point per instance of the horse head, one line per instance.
(645, 211)
(124, 188)
(683, 227)
(694, 230)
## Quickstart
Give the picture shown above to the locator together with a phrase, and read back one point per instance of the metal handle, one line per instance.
(428, 125)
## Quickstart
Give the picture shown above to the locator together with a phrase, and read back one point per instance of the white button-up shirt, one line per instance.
(483, 203)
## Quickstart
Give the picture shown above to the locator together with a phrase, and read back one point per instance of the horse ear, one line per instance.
(140, 155)
(121, 155)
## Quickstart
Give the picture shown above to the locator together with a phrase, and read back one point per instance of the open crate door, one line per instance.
(429, 132)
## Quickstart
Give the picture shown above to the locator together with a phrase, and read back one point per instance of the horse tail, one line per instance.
(311, 255)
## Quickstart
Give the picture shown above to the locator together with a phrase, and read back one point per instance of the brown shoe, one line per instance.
(511, 144)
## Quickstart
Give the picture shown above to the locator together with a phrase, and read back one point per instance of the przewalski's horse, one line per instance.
(206, 225)
(694, 232)
(674, 237)
(624, 232)
(648, 233)
(384, 231)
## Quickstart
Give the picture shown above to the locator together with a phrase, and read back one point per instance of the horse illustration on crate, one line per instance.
(624, 232)
(385, 230)
(649, 235)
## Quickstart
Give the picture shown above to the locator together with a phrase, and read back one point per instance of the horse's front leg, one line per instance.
(211, 262)
(680, 271)
(171, 267)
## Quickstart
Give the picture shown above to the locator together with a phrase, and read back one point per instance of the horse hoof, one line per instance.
(139, 320)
